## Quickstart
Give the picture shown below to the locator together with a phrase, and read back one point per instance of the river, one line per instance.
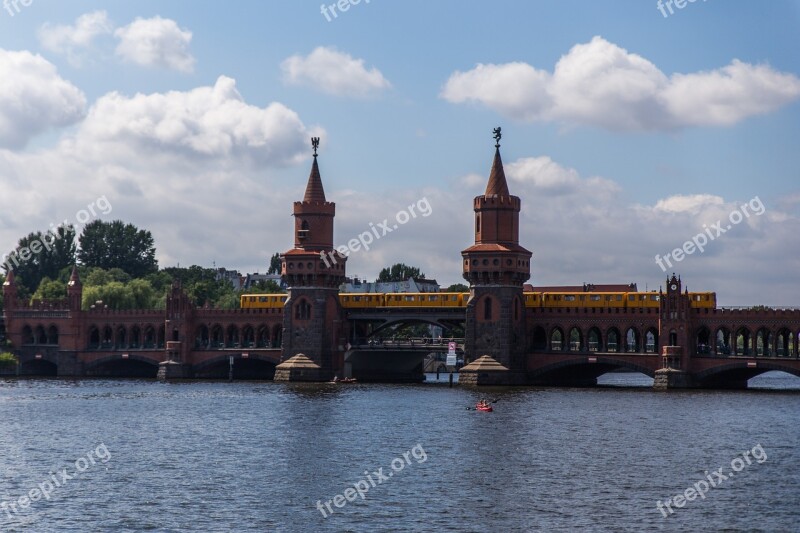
(139, 455)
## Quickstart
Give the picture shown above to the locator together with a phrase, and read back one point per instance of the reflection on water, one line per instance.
(258, 456)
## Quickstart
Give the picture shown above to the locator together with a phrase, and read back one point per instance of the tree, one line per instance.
(50, 290)
(118, 245)
(457, 287)
(40, 255)
(400, 272)
(275, 264)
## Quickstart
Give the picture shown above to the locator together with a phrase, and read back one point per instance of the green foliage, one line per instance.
(275, 264)
(8, 360)
(264, 287)
(50, 290)
(457, 287)
(400, 272)
(40, 255)
(202, 286)
(117, 290)
(115, 244)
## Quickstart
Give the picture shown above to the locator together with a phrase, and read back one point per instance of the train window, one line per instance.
(409, 298)
(569, 298)
(654, 297)
(619, 297)
(262, 298)
(631, 297)
(356, 298)
(594, 298)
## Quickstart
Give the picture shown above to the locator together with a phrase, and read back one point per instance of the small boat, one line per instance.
(484, 408)
(344, 380)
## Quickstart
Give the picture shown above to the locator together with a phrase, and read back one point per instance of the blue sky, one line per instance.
(625, 131)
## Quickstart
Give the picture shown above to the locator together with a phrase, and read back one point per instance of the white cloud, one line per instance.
(34, 98)
(333, 72)
(211, 123)
(691, 203)
(156, 42)
(601, 84)
(68, 40)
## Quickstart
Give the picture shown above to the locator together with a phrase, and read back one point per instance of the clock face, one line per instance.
(673, 287)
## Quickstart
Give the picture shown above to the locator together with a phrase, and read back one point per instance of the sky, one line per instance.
(630, 129)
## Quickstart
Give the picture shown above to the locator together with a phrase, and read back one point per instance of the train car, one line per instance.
(262, 301)
(642, 300)
(424, 299)
(365, 300)
(703, 300)
(583, 299)
(533, 299)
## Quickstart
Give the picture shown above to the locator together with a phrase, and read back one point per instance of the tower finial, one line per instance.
(315, 144)
(497, 136)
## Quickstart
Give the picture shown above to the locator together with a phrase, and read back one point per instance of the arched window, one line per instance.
(487, 309)
(303, 310)
(478, 223)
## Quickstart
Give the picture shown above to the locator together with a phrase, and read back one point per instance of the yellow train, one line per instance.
(626, 300)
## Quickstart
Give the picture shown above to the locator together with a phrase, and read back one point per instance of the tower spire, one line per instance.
(497, 185)
(314, 189)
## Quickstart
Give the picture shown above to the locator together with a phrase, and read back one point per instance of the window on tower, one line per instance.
(487, 309)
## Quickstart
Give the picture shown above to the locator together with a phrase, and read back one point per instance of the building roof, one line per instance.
(314, 191)
(497, 185)
(586, 287)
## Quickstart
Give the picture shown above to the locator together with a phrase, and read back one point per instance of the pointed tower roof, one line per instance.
(9, 278)
(497, 185)
(314, 190)
(74, 278)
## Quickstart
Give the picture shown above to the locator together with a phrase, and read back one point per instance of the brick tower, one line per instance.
(496, 266)
(313, 319)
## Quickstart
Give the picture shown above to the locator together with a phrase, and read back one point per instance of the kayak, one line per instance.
(487, 408)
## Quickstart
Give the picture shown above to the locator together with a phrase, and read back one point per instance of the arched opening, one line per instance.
(633, 340)
(539, 339)
(27, 335)
(52, 335)
(478, 223)
(651, 340)
(595, 342)
(774, 380)
(136, 337)
(743, 346)
(161, 336)
(176, 335)
(217, 337)
(107, 340)
(263, 337)
(277, 336)
(149, 338)
(487, 308)
(556, 340)
(41, 336)
(703, 341)
(248, 337)
(613, 337)
(723, 341)
(201, 337)
(232, 337)
(120, 338)
(764, 342)
(784, 345)
(673, 337)
(94, 338)
(575, 340)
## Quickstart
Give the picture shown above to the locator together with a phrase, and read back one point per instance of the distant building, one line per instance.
(252, 279)
(240, 282)
(409, 285)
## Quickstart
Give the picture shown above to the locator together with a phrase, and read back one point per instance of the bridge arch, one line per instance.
(736, 373)
(580, 371)
(37, 367)
(52, 334)
(201, 337)
(133, 366)
(248, 336)
(651, 340)
(785, 343)
(255, 366)
(277, 336)
(40, 337)
(135, 340)
(27, 334)
(120, 337)
(232, 336)
(217, 336)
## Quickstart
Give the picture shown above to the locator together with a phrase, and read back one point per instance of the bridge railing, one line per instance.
(417, 342)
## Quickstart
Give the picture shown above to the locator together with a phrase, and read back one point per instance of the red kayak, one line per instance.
(485, 408)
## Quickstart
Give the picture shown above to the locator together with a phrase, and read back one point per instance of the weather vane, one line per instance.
(497, 136)
(315, 144)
